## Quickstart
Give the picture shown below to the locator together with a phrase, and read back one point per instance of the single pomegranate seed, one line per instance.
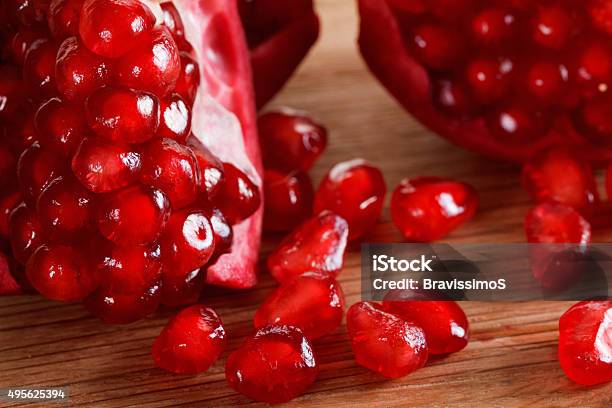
(552, 26)
(211, 170)
(189, 79)
(8, 202)
(175, 120)
(290, 140)
(553, 223)
(134, 215)
(558, 175)
(453, 98)
(444, 323)
(585, 342)
(173, 168)
(64, 208)
(276, 365)
(78, 71)
(36, 169)
(60, 126)
(222, 231)
(111, 28)
(39, 69)
(488, 79)
(428, 208)
(601, 15)
(288, 199)
(102, 167)
(516, 124)
(174, 23)
(547, 81)
(61, 273)
(238, 197)
(312, 302)
(596, 118)
(123, 115)
(594, 63)
(182, 289)
(63, 18)
(383, 342)
(187, 242)
(317, 245)
(355, 190)
(191, 341)
(436, 46)
(23, 39)
(24, 232)
(154, 65)
(491, 26)
(123, 308)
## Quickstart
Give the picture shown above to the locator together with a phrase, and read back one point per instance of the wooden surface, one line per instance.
(511, 358)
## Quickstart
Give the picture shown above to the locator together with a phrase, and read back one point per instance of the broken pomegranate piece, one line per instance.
(384, 343)
(585, 342)
(275, 365)
(456, 67)
(312, 302)
(317, 245)
(191, 341)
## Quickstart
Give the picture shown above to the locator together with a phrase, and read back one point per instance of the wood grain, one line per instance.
(510, 361)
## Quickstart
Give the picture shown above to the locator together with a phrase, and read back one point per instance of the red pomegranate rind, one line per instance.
(224, 119)
(8, 285)
(385, 52)
(275, 55)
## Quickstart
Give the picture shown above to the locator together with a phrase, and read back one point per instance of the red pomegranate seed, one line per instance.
(24, 232)
(182, 289)
(103, 167)
(428, 208)
(23, 39)
(189, 78)
(585, 342)
(556, 223)
(276, 365)
(111, 28)
(63, 18)
(488, 78)
(211, 170)
(123, 115)
(172, 168)
(60, 126)
(514, 123)
(12, 94)
(154, 65)
(547, 81)
(174, 23)
(312, 302)
(288, 199)
(601, 15)
(594, 62)
(453, 98)
(436, 46)
(123, 308)
(222, 231)
(290, 140)
(187, 242)
(191, 341)
(134, 215)
(559, 175)
(238, 197)
(39, 69)
(175, 120)
(552, 26)
(355, 190)
(383, 342)
(596, 118)
(61, 272)
(444, 323)
(78, 71)
(317, 245)
(493, 25)
(36, 169)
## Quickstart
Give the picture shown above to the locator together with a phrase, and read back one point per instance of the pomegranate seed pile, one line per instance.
(107, 197)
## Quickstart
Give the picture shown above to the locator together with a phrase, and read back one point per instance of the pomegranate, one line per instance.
(500, 78)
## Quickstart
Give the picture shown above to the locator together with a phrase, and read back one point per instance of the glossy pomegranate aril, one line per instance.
(238, 197)
(22, 40)
(39, 69)
(60, 126)
(488, 79)
(585, 342)
(556, 223)
(191, 341)
(384, 343)
(355, 190)
(552, 25)
(175, 119)
(189, 78)
(24, 232)
(290, 140)
(276, 365)
(182, 289)
(288, 199)
(312, 302)
(174, 23)
(61, 272)
(436, 46)
(222, 231)
(36, 169)
(547, 81)
(123, 308)
(492, 26)
(123, 115)
(317, 245)
(211, 171)
(444, 323)
(103, 166)
(428, 208)
(559, 175)
(134, 215)
(110, 28)
(154, 65)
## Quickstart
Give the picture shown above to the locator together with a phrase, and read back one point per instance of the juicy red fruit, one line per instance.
(585, 342)
(239, 196)
(556, 223)
(191, 341)
(312, 302)
(60, 126)
(276, 365)
(289, 199)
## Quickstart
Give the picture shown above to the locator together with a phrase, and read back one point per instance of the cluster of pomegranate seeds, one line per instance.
(275, 365)
(428, 208)
(116, 203)
(191, 342)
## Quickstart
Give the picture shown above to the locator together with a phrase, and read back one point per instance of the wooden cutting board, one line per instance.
(511, 358)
